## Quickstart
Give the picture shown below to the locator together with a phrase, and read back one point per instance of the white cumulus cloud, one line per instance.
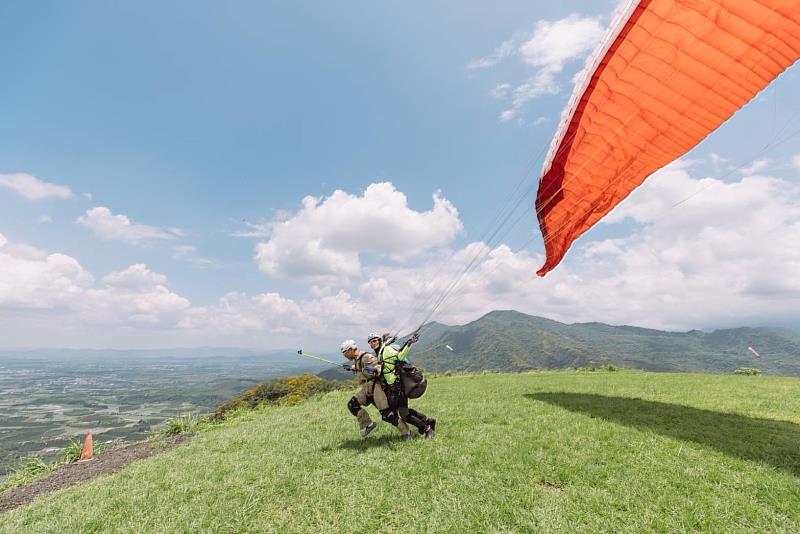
(137, 276)
(504, 50)
(727, 256)
(756, 167)
(32, 187)
(717, 161)
(110, 227)
(33, 279)
(551, 46)
(547, 50)
(261, 319)
(135, 296)
(689, 252)
(324, 240)
(501, 90)
(554, 43)
(237, 313)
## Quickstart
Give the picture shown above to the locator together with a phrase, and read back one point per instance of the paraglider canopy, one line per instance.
(667, 74)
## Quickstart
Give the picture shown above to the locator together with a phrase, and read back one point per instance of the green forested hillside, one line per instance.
(558, 451)
(512, 341)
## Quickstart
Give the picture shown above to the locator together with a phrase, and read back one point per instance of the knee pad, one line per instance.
(390, 417)
(353, 406)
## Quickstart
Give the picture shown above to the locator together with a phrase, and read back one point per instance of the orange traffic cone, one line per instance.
(87, 451)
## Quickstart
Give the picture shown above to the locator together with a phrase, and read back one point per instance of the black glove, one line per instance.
(414, 338)
(347, 367)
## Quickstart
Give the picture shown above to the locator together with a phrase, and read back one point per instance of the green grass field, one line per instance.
(544, 452)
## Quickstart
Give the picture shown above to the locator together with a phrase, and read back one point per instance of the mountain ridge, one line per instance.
(509, 340)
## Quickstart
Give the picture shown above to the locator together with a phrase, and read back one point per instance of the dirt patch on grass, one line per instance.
(550, 486)
(103, 464)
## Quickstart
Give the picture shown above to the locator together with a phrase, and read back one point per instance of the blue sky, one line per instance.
(204, 126)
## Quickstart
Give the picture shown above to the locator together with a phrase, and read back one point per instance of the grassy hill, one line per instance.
(540, 451)
(513, 341)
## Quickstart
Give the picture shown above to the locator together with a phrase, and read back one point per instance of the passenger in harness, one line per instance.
(390, 359)
(367, 368)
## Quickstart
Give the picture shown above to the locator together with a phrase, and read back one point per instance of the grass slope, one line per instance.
(540, 451)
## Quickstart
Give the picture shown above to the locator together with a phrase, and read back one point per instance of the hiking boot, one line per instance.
(429, 433)
(406, 437)
(369, 429)
(431, 423)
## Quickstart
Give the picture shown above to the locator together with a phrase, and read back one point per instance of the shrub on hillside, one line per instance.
(181, 424)
(751, 371)
(593, 367)
(27, 471)
(288, 390)
(71, 452)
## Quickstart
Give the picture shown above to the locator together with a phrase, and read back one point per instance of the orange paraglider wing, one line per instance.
(668, 74)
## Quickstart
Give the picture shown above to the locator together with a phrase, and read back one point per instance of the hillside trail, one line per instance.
(103, 464)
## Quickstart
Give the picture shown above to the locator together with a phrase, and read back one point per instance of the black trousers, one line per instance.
(399, 402)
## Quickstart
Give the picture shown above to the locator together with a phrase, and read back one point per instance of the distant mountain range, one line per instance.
(513, 341)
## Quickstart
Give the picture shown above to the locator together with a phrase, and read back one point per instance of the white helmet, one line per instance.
(347, 345)
(374, 335)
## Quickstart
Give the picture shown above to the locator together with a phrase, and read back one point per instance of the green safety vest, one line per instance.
(389, 356)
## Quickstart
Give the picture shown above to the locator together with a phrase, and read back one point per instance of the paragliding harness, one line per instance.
(360, 365)
(410, 382)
